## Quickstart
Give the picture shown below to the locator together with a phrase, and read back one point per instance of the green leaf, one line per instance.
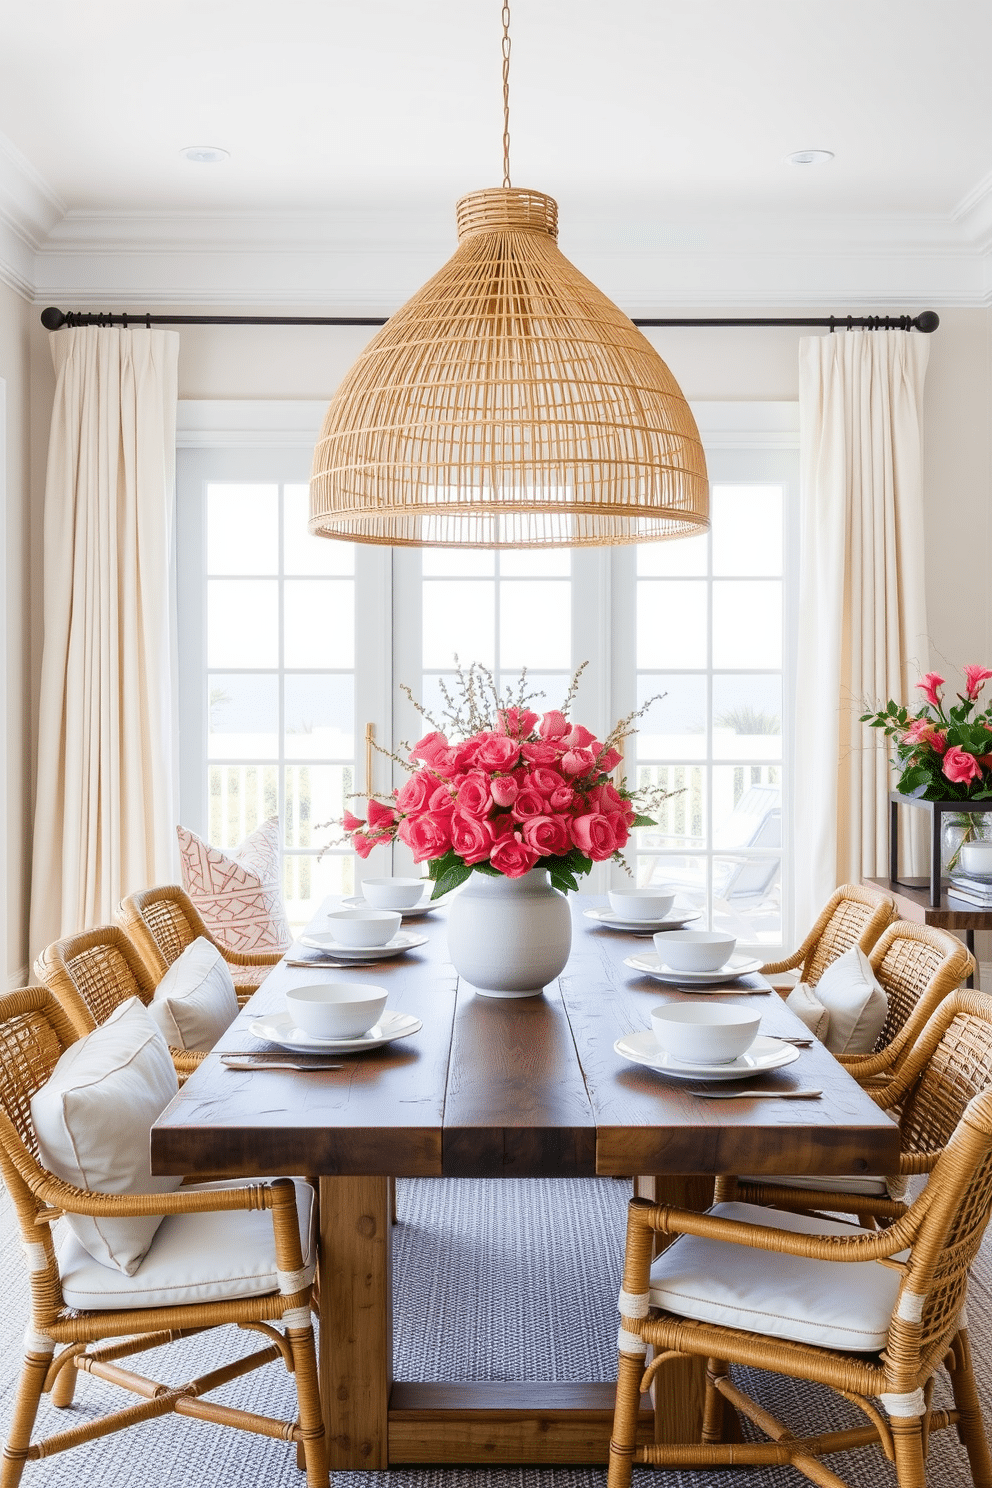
(451, 879)
(644, 821)
(487, 869)
(563, 880)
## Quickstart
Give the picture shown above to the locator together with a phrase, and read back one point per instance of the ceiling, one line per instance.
(662, 126)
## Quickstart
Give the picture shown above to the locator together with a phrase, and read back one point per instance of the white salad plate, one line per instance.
(423, 905)
(764, 1054)
(323, 940)
(279, 1028)
(673, 920)
(651, 964)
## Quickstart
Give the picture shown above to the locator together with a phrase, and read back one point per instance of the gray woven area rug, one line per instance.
(470, 1260)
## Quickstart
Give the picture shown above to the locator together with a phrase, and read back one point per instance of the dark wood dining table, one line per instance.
(494, 1088)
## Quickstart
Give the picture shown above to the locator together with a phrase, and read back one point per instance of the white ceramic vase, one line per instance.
(509, 937)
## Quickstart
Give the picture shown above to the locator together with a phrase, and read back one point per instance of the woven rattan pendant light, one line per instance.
(508, 404)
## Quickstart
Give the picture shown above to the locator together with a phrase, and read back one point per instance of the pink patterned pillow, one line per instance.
(237, 890)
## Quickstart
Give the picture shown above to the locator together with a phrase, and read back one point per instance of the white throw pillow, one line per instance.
(195, 1002)
(92, 1118)
(809, 1010)
(856, 1003)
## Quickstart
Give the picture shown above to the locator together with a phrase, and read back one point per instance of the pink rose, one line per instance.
(363, 845)
(427, 835)
(928, 686)
(618, 826)
(578, 761)
(528, 803)
(547, 835)
(580, 738)
(512, 857)
(470, 837)
(516, 721)
(504, 790)
(960, 766)
(562, 798)
(352, 823)
(539, 752)
(381, 816)
(594, 836)
(442, 802)
(496, 752)
(429, 746)
(609, 760)
(554, 725)
(922, 731)
(474, 795)
(416, 793)
(544, 780)
(975, 678)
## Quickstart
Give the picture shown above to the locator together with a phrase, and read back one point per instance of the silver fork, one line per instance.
(758, 1094)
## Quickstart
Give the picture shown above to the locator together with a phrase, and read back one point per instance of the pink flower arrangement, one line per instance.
(525, 791)
(942, 752)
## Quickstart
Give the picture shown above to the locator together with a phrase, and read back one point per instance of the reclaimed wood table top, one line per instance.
(513, 1088)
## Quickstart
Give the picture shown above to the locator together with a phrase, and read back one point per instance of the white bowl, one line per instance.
(642, 904)
(394, 893)
(695, 950)
(976, 857)
(364, 927)
(336, 1009)
(710, 1034)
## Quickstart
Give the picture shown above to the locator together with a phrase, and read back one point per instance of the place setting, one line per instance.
(645, 911)
(358, 935)
(409, 897)
(325, 1019)
(697, 961)
(713, 1043)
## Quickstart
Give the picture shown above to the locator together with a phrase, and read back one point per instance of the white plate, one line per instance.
(323, 940)
(651, 964)
(764, 1054)
(423, 905)
(674, 920)
(279, 1028)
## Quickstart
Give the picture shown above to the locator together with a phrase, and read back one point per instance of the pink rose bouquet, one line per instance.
(520, 790)
(942, 753)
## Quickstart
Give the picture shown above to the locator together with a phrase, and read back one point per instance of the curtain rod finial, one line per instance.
(52, 319)
(927, 321)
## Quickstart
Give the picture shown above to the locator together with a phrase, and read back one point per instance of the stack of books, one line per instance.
(971, 890)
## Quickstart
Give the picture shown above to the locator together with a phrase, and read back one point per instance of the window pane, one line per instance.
(553, 685)
(747, 807)
(241, 797)
(747, 717)
(320, 717)
(684, 875)
(671, 624)
(320, 622)
(675, 725)
(459, 616)
(535, 623)
(747, 529)
(303, 554)
(681, 818)
(677, 558)
(243, 716)
(308, 880)
(747, 623)
(242, 623)
(747, 898)
(315, 796)
(242, 529)
(536, 563)
(457, 562)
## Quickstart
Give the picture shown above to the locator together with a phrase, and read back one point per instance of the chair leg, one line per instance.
(15, 1451)
(907, 1438)
(301, 1342)
(713, 1409)
(628, 1404)
(65, 1381)
(393, 1212)
(971, 1428)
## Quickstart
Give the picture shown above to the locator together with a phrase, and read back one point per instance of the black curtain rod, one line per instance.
(54, 319)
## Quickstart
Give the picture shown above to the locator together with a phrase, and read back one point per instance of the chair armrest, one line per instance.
(252, 958)
(63, 1196)
(790, 964)
(875, 1246)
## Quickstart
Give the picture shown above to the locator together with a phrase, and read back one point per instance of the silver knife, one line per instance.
(247, 1062)
(758, 1094)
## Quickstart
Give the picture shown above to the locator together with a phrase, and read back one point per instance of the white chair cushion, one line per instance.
(842, 1306)
(92, 1118)
(195, 1002)
(809, 1010)
(193, 1258)
(856, 1003)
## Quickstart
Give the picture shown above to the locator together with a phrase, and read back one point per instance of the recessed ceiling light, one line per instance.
(205, 154)
(810, 157)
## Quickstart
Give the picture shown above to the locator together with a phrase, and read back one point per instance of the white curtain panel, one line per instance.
(105, 819)
(862, 606)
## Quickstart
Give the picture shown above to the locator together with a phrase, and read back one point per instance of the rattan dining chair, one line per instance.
(853, 915)
(34, 1031)
(949, 1064)
(163, 921)
(871, 1314)
(92, 973)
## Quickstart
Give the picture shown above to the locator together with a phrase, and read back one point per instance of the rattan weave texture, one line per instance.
(508, 404)
(853, 915)
(162, 922)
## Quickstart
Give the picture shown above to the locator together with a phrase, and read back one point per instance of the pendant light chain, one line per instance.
(506, 95)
